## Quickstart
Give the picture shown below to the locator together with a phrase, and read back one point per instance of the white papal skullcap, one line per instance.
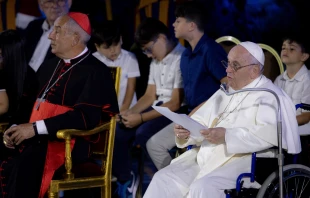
(255, 50)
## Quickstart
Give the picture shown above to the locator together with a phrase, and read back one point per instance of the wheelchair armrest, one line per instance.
(189, 147)
(251, 175)
(303, 106)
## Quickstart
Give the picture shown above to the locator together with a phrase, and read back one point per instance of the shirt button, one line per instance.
(162, 74)
(162, 85)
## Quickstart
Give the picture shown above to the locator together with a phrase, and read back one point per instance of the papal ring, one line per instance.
(4, 142)
(178, 135)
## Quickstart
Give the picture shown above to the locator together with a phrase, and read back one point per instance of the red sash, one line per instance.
(55, 156)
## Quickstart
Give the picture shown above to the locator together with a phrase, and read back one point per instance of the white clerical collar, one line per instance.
(83, 52)
(253, 84)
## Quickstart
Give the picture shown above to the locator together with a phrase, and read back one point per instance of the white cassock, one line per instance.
(250, 119)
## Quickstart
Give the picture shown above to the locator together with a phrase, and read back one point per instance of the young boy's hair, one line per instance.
(299, 39)
(107, 33)
(149, 30)
(192, 11)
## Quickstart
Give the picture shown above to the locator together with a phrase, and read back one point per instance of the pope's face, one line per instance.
(239, 58)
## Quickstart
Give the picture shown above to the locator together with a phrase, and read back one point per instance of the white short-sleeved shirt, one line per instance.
(298, 89)
(166, 74)
(130, 69)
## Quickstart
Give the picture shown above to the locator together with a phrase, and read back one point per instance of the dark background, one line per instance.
(264, 21)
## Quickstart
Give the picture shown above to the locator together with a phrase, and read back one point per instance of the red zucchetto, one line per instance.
(82, 20)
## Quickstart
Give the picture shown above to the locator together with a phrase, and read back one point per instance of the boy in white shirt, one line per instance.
(295, 81)
(165, 88)
(108, 42)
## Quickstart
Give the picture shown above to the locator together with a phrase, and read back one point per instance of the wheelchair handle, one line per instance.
(303, 106)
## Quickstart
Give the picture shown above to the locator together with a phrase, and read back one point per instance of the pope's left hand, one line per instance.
(132, 120)
(214, 135)
(20, 132)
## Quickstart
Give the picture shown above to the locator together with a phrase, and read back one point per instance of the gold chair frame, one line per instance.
(104, 181)
(275, 54)
(228, 38)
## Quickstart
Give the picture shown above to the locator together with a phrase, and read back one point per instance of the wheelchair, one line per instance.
(296, 180)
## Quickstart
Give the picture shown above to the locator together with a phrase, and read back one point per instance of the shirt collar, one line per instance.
(83, 52)
(170, 57)
(45, 26)
(298, 76)
(200, 43)
(188, 51)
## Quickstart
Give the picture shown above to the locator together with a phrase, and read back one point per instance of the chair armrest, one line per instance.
(3, 126)
(65, 133)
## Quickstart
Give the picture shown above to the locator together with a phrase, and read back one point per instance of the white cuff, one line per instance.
(41, 127)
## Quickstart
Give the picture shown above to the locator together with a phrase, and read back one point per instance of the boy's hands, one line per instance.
(131, 120)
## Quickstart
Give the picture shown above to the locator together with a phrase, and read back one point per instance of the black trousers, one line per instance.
(22, 168)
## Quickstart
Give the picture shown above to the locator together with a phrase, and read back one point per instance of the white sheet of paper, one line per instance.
(182, 119)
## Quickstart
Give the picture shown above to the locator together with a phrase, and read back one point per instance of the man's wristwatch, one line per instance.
(34, 124)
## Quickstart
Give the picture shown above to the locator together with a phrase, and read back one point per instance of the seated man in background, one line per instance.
(76, 92)
(295, 81)
(238, 125)
(36, 34)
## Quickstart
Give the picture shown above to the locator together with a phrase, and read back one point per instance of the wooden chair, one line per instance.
(103, 151)
(273, 65)
(227, 42)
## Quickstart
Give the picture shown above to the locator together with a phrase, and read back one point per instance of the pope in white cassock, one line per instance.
(238, 125)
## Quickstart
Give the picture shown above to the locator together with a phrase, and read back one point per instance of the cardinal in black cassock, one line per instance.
(76, 92)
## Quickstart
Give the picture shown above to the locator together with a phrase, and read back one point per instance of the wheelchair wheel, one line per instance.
(296, 183)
